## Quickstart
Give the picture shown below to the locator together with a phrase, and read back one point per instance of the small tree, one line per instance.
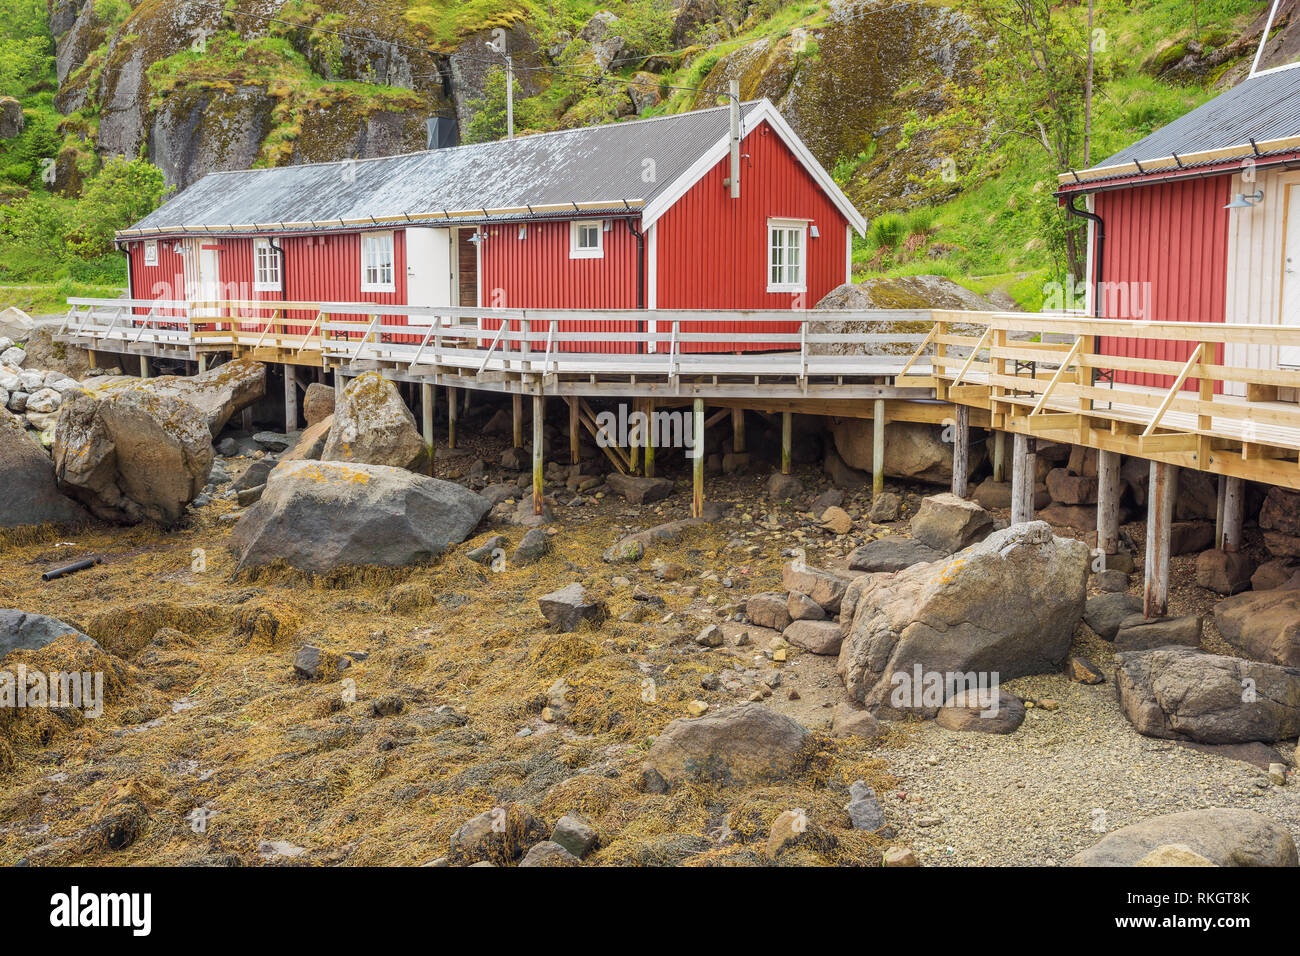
(123, 192)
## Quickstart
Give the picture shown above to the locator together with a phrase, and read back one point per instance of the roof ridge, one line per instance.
(494, 142)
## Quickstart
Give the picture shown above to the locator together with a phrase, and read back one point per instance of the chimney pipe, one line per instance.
(734, 97)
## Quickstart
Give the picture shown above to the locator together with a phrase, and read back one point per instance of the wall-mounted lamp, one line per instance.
(812, 231)
(1242, 201)
(523, 231)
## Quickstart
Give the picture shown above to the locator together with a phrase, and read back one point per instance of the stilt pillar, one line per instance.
(1108, 495)
(1160, 518)
(738, 430)
(1023, 465)
(1233, 508)
(517, 413)
(575, 435)
(961, 453)
(427, 399)
(697, 462)
(999, 456)
(539, 489)
(650, 438)
(452, 399)
(787, 440)
(877, 448)
(144, 366)
(290, 400)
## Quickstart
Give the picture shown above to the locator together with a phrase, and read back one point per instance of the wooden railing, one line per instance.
(1040, 372)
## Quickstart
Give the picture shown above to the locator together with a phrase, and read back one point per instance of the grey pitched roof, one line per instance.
(1263, 107)
(598, 165)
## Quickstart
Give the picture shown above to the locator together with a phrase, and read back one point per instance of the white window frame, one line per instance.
(266, 266)
(576, 229)
(151, 252)
(783, 282)
(384, 273)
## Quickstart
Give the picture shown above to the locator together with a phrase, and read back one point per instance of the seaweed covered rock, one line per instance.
(1007, 606)
(373, 426)
(320, 515)
(734, 747)
(132, 454)
(31, 496)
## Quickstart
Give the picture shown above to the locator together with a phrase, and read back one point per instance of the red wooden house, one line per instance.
(627, 215)
(1200, 222)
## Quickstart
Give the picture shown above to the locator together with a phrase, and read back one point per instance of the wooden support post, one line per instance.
(1218, 512)
(1108, 495)
(539, 489)
(650, 438)
(144, 366)
(452, 399)
(290, 400)
(738, 430)
(517, 411)
(1234, 493)
(90, 356)
(961, 453)
(634, 440)
(1023, 465)
(787, 439)
(427, 393)
(465, 406)
(203, 362)
(1160, 518)
(877, 448)
(575, 435)
(999, 456)
(697, 463)
(247, 419)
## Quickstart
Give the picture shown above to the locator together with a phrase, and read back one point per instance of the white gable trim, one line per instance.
(655, 209)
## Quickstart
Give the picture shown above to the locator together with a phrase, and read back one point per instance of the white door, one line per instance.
(430, 269)
(1290, 355)
(202, 275)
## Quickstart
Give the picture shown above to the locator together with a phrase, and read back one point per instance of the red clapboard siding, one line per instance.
(712, 249)
(1166, 247)
(535, 272)
(324, 268)
(166, 280)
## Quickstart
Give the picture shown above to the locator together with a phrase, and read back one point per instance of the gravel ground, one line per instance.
(1032, 797)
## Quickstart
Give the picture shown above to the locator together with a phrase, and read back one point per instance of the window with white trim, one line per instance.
(266, 266)
(377, 262)
(785, 255)
(586, 240)
(151, 253)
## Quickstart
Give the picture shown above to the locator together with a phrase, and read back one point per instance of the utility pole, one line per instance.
(510, 97)
(1087, 96)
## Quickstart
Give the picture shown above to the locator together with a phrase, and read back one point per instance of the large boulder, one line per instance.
(319, 515)
(1225, 837)
(1007, 606)
(131, 454)
(20, 630)
(913, 450)
(45, 353)
(1182, 693)
(1264, 625)
(948, 523)
(639, 491)
(217, 393)
(31, 496)
(317, 403)
(11, 117)
(1279, 519)
(739, 746)
(15, 324)
(893, 553)
(373, 426)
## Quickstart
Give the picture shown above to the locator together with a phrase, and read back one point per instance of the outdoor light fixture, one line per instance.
(812, 231)
(523, 231)
(1242, 201)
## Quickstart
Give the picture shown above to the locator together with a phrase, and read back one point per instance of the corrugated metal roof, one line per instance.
(1263, 107)
(597, 165)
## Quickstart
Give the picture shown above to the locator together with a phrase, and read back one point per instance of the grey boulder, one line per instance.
(320, 515)
(1007, 606)
(30, 496)
(20, 630)
(1225, 837)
